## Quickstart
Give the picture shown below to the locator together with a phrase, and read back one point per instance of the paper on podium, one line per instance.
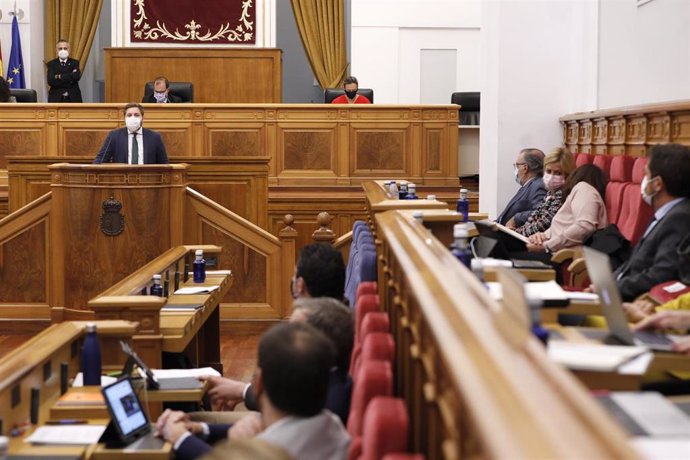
(66, 434)
(594, 357)
(162, 374)
(196, 290)
(105, 380)
(549, 292)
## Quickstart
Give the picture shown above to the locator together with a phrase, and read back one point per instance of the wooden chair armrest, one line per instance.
(563, 255)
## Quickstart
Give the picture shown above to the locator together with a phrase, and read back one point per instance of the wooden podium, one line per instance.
(106, 221)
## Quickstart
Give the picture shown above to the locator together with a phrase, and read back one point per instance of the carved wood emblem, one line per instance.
(112, 222)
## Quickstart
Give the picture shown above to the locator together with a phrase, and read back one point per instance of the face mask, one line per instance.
(516, 173)
(160, 97)
(63, 54)
(643, 190)
(351, 94)
(553, 182)
(133, 123)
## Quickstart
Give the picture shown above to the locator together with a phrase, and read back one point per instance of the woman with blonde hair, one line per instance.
(558, 165)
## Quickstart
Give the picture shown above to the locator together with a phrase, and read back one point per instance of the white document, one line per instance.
(512, 233)
(177, 373)
(592, 357)
(675, 287)
(218, 272)
(662, 448)
(105, 380)
(544, 290)
(196, 290)
(583, 296)
(66, 434)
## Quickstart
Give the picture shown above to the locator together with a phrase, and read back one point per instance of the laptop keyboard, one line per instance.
(652, 338)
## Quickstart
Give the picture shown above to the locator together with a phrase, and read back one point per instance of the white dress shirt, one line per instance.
(140, 141)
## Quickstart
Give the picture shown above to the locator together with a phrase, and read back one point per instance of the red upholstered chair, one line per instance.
(374, 378)
(583, 159)
(365, 304)
(620, 176)
(603, 162)
(635, 214)
(374, 321)
(386, 428)
(376, 346)
(367, 287)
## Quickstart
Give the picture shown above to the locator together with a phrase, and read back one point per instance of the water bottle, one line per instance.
(402, 192)
(418, 216)
(460, 247)
(91, 357)
(157, 289)
(411, 192)
(393, 190)
(463, 206)
(199, 267)
(535, 313)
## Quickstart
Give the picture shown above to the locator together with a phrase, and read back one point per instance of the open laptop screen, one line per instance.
(127, 414)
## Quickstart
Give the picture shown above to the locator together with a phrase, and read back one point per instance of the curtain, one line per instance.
(321, 26)
(74, 21)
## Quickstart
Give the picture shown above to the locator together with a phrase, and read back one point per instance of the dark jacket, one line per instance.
(171, 98)
(115, 148)
(70, 74)
(528, 198)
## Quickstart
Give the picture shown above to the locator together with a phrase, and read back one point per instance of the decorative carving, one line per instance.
(380, 150)
(112, 222)
(83, 141)
(323, 234)
(235, 143)
(308, 149)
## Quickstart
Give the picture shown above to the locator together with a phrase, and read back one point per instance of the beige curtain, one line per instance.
(74, 21)
(321, 26)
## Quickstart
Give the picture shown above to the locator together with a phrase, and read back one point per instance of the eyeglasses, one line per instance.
(515, 165)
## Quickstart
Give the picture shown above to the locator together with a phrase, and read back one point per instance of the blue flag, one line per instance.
(15, 67)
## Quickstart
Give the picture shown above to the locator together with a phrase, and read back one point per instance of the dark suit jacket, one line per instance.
(68, 82)
(115, 148)
(171, 98)
(655, 258)
(527, 199)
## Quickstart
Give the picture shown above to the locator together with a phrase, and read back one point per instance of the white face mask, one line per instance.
(63, 54)
(516, 173)
(133, 123)
(160, 97)
(553, 182)
(648, 198)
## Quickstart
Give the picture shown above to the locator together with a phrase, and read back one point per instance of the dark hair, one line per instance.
(323, 270)
(349, 80)
(335, 320)
(135, 104)
(589, 173)
(534, 159)
(61, 41)
(4, 90)
(295, 361)
(162, 78)
(672, 163)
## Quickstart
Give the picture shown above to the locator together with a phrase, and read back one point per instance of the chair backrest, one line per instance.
(635, 214)
(620, 176)
(182, 89)
(470, 107)
(603, 162)
(583, 159)
(24, 94)
(385, 428)
(374, 378)
(368, 268)
(332, 93)
(367, 287)
(374, 321)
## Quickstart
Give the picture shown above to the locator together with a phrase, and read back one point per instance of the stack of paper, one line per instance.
(592, 357)
(196, 290)
(66, 434)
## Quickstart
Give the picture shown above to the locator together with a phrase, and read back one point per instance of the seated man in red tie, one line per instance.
(350, 86)
(133, 144)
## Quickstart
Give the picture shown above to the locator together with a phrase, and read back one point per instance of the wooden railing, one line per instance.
(627, 130)
(476, 384)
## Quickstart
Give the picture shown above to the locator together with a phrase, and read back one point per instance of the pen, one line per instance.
(66, 422)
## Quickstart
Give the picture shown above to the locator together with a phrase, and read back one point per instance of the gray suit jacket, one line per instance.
(527, 199)
(655, 258)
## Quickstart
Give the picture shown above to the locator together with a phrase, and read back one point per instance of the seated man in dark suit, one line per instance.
(63, 76)
(291, 385)
(666, 188)
(161, 93)
(529, 168)
(133, 144)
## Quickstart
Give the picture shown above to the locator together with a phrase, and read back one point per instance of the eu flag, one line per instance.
(15, 68)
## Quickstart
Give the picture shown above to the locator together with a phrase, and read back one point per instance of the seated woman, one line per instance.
(582, 213)
(558, 165)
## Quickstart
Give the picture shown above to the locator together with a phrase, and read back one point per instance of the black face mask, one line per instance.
(351, 94)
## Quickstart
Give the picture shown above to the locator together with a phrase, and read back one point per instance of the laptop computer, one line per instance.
(153, 382)
(599, 270)
(129, 422)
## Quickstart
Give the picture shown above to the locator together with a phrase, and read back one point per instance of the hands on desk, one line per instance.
(173, 424)
(247, 427)
(639, 309)
(225, 393)
(669, 319)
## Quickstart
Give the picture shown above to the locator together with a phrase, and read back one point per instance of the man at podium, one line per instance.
(133, 144)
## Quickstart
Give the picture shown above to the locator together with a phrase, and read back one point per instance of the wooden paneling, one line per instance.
(23, 266)
(627, 130)
(219, 75)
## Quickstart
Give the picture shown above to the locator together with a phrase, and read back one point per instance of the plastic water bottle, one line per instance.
(91, 357)
(199, 267)
(535, 312)
(393, 190)
(463, 206)
(402, 192)
(411, 192)
(460, 247)
(157, 289)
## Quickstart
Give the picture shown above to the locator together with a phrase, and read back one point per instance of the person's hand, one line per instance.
(511, 223)
(171, 425)
(589, 288)
(535, 247)
(665, 320)
(537, 239)
(647, 306)
(247, 427)
(224, 393)
(682, 346)
(634, 312)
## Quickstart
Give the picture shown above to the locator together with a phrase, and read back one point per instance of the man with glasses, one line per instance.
(528, 170)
